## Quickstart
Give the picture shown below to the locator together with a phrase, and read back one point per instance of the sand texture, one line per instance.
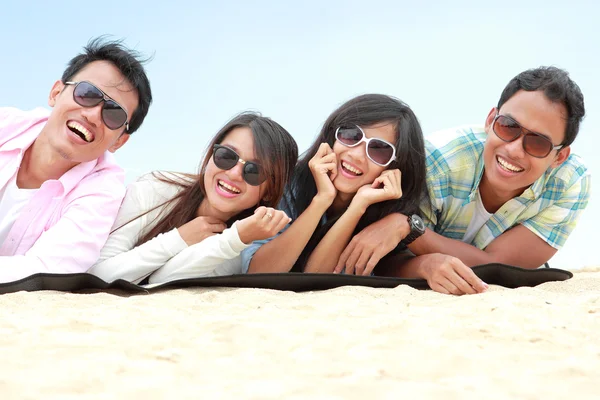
(345, 343)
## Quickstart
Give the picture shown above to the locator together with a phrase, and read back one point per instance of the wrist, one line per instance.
(243, 232)
(358, 205)
(321, 202)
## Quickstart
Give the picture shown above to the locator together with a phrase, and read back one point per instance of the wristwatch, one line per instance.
(417, 228)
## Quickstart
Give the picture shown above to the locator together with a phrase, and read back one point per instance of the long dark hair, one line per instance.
(366, 110)
(276, 151)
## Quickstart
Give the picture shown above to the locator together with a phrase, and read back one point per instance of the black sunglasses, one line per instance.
(225, 158)
(87, 95)
(534, 144)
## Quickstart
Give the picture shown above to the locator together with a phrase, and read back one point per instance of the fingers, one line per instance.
(217, 228)
(344, 257)
(372, 263)
(324, 149)
(390, 179)
(471, 279)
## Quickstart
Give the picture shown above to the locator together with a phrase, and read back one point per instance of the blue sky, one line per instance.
(297, 62)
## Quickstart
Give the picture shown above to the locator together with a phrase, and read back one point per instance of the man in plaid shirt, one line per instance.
(508, 192)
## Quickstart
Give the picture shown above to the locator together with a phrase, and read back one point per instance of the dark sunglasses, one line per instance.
(225, 158)
(87, 95)
(379, 151)
(534, 144)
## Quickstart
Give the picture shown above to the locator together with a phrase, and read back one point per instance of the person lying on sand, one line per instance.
(175, 226)
(348, 179)
(60, 188)
(510, 192)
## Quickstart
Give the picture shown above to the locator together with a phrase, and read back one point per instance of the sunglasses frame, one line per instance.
(367, 140)
(524, 132)
(104, 99)
(241, 161)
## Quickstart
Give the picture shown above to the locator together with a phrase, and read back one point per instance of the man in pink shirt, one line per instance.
(60, 188)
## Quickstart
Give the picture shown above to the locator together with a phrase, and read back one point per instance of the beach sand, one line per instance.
(346, 343)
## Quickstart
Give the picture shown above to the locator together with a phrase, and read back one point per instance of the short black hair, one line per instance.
(130, 64)
(558, 88)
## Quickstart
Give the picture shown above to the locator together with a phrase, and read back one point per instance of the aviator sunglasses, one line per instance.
(87, 95)
(379, 151)
(225, 158)
(534, 144)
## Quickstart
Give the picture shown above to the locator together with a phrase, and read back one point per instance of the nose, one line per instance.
(236, 173)
(358, 153)
(515, 148)
(93, 114)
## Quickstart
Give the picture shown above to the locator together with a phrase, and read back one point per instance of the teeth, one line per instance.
(351, 168)
(229, 187)
(508, 165)
(86, 134)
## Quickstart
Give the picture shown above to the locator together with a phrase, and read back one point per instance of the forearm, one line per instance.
(432, 242)
(119, 261)
(216, 255)
(281, 253)
(325, 256)
(401, 265)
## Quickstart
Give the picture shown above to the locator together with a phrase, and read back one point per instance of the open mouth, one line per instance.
(350, 169)
(505, 165)
(228, 188)
(80, 131)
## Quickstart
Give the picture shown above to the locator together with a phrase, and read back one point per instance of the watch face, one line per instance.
(418, 223)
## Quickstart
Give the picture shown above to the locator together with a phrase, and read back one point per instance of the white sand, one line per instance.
(350, 343)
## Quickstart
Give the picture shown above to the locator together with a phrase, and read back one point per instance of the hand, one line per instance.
(447, 274)
(200, 228)
(385, 187)
(265, 223)
(324, 170)
(371, 244)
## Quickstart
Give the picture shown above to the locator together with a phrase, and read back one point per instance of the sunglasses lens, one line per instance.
(224, 158)
(113, 115)
(252, 174)
(537, 145)
(380, 152)
(507, 129)
(87, 95)
(349, 136)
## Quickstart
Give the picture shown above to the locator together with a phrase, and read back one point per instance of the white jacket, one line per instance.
(166, 257)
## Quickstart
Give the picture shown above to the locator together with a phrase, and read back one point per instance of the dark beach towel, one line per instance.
(495, 274)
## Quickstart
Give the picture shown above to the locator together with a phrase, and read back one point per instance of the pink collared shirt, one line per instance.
(67, 221)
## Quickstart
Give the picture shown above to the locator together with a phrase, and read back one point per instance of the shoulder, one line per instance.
(161, 185)
(454, 149)
(571, 173)
(14, 121)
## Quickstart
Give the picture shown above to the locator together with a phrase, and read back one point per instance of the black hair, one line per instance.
(558, 87)
(128, 62)
(367, 110)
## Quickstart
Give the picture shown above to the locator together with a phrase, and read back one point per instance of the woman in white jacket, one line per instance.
(174, 226)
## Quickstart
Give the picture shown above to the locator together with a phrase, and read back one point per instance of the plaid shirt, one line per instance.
(550, 207)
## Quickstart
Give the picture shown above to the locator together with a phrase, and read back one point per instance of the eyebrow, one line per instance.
(527, 129)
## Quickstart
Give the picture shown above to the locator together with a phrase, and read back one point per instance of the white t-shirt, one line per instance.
(480, 217)
(12, 201)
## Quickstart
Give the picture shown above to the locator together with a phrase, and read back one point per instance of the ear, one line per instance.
(561, 156)
(119, 142)
(490, 118)
(56, 90)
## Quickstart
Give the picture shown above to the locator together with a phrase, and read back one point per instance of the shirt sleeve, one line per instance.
(555, 223)
(216, 255)
(73, 244)
(120, 258)
(437, 187)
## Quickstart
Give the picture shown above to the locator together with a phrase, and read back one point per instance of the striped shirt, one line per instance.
(550, 207)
